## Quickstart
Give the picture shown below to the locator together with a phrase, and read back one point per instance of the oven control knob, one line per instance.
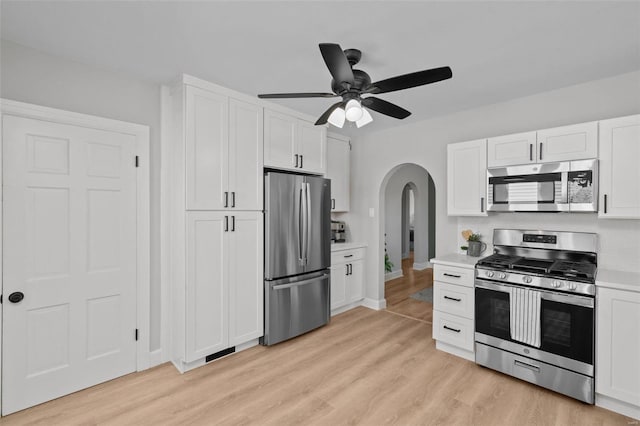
(556, 284)
(527, 279)
(490, 274)
(573, 286)
(502, 275)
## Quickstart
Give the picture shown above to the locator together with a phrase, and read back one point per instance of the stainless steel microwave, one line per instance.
(570, 186)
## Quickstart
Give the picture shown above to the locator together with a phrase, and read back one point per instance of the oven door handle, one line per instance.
(570, 299)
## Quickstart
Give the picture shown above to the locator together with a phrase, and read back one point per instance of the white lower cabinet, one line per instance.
(453, 307)
(221, 303)
(618, 350)
(347, 278)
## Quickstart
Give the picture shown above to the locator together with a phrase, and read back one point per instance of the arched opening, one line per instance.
(407, 219)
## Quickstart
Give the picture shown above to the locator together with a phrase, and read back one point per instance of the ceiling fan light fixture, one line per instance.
(337, 118)
(366, 119)
(353, 110)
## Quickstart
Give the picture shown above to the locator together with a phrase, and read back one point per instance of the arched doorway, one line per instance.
(406, 185)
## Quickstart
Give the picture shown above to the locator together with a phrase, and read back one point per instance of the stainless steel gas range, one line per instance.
(534, 309)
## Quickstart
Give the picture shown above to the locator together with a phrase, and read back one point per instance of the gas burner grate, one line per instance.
(532, 265)
(499, 261)
(567, 269)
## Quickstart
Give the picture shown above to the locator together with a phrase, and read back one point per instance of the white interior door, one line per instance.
(70, 247)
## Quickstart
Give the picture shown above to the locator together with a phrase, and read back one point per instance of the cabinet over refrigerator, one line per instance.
(297, 254)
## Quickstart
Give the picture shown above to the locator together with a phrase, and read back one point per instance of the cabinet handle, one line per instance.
(530, 152)
(349, 255)
(226, 224)
(451, 275)
(346, 265)
(481, 204)
(233, 199)
(297, 160)
(233, 223)
(605, 203)
(333, 204)
(226, 199)
(541, 150)
(453, 298)
(350, 268)
(452, 329)
(301, 161)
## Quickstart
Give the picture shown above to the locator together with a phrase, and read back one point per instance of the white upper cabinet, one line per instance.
(294, 144)
(223, 152)
(619, 171)
(206, 133)
(338, 152)
(567, 143)
(508, 150)
(245, 155)
(467, 178)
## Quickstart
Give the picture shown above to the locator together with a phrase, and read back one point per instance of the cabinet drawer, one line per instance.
(346, 256)
(453, 275)
(453, 299)
(454, 330)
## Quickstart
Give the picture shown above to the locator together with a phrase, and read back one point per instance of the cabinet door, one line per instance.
(619, 171)
(566, 143)
(312, 147)
(246, 277)
(355, 286)
(618, 345)
(245, 155)
(510, 150)
(206, 134)
(206, 302)
(338, 152)
(467, 178)
(338, 285)
(280, 134)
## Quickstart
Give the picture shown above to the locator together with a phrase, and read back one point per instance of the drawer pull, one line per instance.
(453, 298)
(451, 275)
(452, 329)
(349, 255)
(533, 368)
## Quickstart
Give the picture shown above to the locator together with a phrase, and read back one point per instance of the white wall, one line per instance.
(408, 173)
(28, 75)
(424, 143)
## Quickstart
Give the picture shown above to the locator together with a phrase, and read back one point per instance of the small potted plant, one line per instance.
(474, 246)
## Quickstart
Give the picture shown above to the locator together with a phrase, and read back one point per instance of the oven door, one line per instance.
(566, 322)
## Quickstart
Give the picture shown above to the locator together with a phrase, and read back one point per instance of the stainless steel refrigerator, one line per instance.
(297, 255)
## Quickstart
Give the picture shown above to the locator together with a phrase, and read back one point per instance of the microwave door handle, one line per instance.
(564, 188)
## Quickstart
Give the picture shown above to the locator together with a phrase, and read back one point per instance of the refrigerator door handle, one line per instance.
(301, 224)
(299, 283)
(308, 231)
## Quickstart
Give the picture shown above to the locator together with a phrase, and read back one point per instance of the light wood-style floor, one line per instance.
(366, 367)
(397, 292)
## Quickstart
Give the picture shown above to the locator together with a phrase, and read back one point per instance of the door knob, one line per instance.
(16, 297)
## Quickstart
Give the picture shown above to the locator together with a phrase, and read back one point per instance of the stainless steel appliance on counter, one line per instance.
(570, 186)
(297, 254)
(534, 309)
(338, 231)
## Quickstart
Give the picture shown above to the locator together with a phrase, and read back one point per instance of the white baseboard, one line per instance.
(420, 266)
(346, 307)
(155, 358)
(620, 407)
(393, 275)
(377, 305)
(454, 350)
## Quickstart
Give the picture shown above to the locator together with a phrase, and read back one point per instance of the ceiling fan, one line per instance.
(351, 84)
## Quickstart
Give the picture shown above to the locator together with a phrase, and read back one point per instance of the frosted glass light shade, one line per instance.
(337, 118)
(365, 119)
(353, 110)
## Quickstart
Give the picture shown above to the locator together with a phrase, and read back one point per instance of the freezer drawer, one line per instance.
(296, 305)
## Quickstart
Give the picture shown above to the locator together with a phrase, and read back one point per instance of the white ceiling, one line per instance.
(497, 50)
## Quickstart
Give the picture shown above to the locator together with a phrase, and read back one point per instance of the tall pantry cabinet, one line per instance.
(216, 222)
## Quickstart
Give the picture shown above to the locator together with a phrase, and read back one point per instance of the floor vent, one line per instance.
(220, 354)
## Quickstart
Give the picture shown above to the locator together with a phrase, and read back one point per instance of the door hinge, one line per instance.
(136, 334)
(137, 161)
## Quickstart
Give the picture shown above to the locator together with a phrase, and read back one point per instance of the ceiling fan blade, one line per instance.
(386, 108)
(337, 63)
(297, 95)
(324, 117)
(408, 81)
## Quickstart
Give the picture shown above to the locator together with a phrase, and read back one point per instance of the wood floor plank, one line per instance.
(398, 292)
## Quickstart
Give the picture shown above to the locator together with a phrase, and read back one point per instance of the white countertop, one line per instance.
(346, 246)
(620, 280)
(455, 259)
